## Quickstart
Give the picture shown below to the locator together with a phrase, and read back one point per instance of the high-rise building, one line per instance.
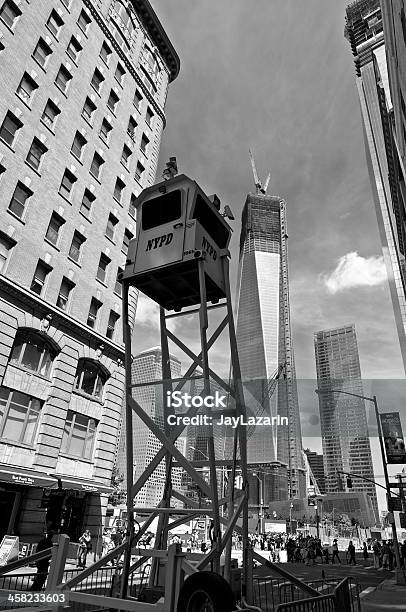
(146, 367)
(343, 418)
(383, 113)
(316, 465)
(84, 85)
(265, 341)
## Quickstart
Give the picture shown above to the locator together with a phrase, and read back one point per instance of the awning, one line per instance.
(32, 478)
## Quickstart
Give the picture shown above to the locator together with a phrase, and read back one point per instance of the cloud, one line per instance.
(147, 312)
(353, 270)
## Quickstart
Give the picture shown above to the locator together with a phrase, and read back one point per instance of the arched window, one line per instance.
(34, 351)
(90, 377)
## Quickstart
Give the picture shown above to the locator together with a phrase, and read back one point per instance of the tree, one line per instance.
(118, 495)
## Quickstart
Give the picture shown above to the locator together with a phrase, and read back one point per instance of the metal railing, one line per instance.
(344, 597)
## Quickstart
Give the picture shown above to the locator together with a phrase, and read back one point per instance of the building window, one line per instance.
(62, 79)
(51, 111)
(97, 80)
(35, 154)
(65, 290)
(90, 377)
(76, 246)
(41, 52)
(132, 205)
(102, 267)
(105, 130)
(40, 275)
(26, 88)
(74, 49)
(19, 199)
(111, 325)
(111, 226)
(68, 181)
(9, 13)
(138, 100)
(105, 53)
(148, 117)
(67, 3)
(126, 241)
(119, 74)
(6, 245)
(139, 171)
(33, 352)
(125, 155)
(151, 62)
(118, 190)
(55, 224)
(112, 101)
(78, 145)
(19, 416)
(79, 435)
(88, 110)
(87, 201)
(54, 23)
(144, 144)
(9, 128)
(118, 287)
(132, 127)
(96, 166)
(95, 306)
(84, 21)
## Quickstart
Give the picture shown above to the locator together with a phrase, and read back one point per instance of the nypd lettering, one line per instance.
(156, 243)
(208, 248)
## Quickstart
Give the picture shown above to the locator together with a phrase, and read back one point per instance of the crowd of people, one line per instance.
(384, 554)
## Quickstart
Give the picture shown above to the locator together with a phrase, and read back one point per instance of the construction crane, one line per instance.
(260, 189)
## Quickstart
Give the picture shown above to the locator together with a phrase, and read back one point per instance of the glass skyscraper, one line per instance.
(343, 419)
(265, 343)
(364, 30)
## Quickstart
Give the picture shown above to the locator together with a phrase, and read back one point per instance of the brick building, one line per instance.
(84, 86)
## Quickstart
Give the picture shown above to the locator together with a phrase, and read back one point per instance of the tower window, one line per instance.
(19, 416)
(33, 351)
(74, 49)
(118, 189)
(90, 377)
(84, 21)
(118, 288)
(76, 246)
(40, 275)
(62, 79)
(88, 110)
(79, 435)
(111, 226)
(9, 128)
(125, 156)
(137, 100)
(148, 117)
(96, 166)
(132, 126)
(41, 52)
(105, 130)
(65, 290)
(54, 226)
(54, 23)
(26, 88)
(51, 111)
(119, 74)
(105, 53)
(112, 101)
(68, 181)
(144, 144)
(35, 154)
(97, 80)
(9, 13)
(87, 201)
(139, 170)
(126, 241)
(19, 199)
(78, 145)
(102, 268)
(131, 207)
(95, 306)
(111, 325)
(6, 245)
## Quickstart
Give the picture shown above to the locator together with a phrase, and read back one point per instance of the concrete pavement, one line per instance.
(386, 597)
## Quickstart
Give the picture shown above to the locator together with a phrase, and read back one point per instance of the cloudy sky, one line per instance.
(278, 76)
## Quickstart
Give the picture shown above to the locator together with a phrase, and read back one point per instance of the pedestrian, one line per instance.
(85, 546)
(385, 555)
(365, 551)
(43, 565)
(351, 552)
(335, 552)
(376, 549)
(403, 554)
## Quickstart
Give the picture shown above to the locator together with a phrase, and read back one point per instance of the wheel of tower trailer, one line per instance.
(206, 592)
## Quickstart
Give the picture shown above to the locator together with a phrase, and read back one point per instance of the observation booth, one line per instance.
(178, 224)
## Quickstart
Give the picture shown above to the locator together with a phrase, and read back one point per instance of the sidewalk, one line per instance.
(388, 596)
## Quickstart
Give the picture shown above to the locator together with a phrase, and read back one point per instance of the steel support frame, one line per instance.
(169, 453)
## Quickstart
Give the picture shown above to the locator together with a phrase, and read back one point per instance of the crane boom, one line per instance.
(257, 182)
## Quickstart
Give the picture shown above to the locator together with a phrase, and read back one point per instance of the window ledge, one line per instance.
(84, 32)
(52, 244)
(87, 121)
(110, 239)
(75, 458)
(77, 263)
(7, 145)
(94, 89)
(104, 141)
(88, 396)
(85, 217)
(38, 64)
(64, 198)
(54, 36)
(113, 112)
(118, 295)
(102, 283)
(124, 166)
(61, 90)
(138, 181)
(77, 158)
(37, 172)
(19, 366)
(10, 212)
(23, 101)
(19, 444)
(95, 177)
(118, 202)
(47, 126)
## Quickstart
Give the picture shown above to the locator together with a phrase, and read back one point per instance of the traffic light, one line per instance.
(349, 483)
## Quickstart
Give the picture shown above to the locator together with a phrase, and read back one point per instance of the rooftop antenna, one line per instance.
(258, 183)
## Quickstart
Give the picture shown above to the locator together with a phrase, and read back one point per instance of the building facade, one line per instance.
(81, 117)
(383, 113)
(146, 367)
(265, 341)
(343, 418)
(316, 465)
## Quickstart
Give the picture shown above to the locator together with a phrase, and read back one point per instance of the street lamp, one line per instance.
(261, 502)
(401, 579)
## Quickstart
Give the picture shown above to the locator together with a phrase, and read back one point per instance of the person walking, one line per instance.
(385, 555)
(351, 552)
(85, 546)
(335, 552)
(376, 549)
(43, 565)
(365, 551)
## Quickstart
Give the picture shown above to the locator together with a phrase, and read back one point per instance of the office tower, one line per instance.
(265, 342)
(383, 117)
(81, 116)
(343, 418)
(147, 366)
(316, 464)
